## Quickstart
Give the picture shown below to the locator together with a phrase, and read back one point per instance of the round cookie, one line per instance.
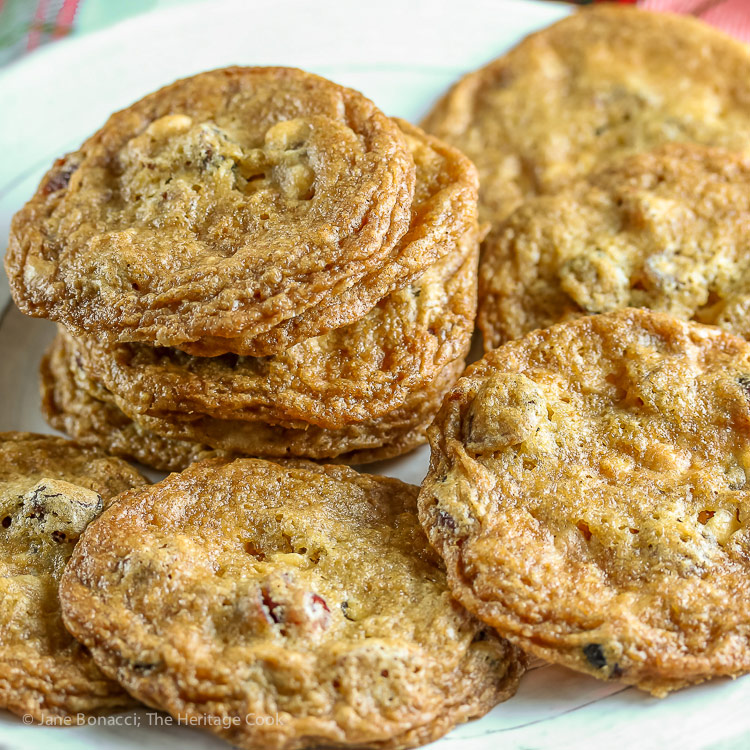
(666, 229)
(72, 402)
(214, 210)
(603, 83)
(308, 594)
(350, 375)
(588, 491)
(50, 489)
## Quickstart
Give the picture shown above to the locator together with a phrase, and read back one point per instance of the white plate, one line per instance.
(403, 55)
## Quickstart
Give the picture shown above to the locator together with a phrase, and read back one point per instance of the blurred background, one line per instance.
(26, 25)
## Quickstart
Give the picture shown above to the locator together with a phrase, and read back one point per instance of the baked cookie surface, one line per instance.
(666, 229)
(89, 416)
(50, 489)
(349, 375)
(214, 210)
(443, 210)
(603, 83)
(295, 591)
(588, 493)
(74, 403)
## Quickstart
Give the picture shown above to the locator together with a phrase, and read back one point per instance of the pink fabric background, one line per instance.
(733, 16)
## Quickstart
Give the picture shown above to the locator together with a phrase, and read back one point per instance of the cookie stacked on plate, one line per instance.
(255, 260)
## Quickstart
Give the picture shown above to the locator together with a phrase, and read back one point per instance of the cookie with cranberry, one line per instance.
(300, 592)
(211, 212)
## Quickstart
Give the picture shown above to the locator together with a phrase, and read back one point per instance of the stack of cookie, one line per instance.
(254, 260)
(257, 261)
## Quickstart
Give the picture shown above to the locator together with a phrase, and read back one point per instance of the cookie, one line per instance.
(601, 84)
(665, 229)
(50, 489)
(99, 423)
(214, 210)
(588, 491)
(350, 375)
(247, 589)
(389, 436)
(72, 402)
(443, 210)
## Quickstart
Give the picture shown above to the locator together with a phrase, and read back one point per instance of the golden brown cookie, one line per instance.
(394, 434)
(50, 489)
(98, 422)
(603, 83)
(72, 402)
(588, 491)
(442, 211)
(308, 594)
(666, 229)
(350, 375)
(214, 210)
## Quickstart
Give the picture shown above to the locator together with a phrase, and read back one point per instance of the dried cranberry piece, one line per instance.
(318, 611)
(317, 602)
(59, 179)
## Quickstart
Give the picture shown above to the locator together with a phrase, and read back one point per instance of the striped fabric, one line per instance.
(733, 16)
(27, 24)
(52, 19)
